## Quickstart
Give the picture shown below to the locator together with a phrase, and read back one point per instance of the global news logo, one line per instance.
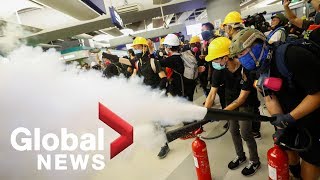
(22, 139)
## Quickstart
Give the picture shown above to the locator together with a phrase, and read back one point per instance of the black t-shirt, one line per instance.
(151, 77)
(305, 68)
(174, 62)
(234, 83)
(111, 70)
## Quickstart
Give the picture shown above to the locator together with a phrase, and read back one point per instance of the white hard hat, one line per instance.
(171, 40)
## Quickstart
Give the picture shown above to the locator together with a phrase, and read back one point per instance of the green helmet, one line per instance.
(283, 19)
(244, 39)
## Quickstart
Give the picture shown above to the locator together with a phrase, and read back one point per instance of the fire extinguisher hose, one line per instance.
(216, 115)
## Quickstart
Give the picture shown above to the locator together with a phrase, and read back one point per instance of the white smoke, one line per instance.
(39, 91)
(10, 35)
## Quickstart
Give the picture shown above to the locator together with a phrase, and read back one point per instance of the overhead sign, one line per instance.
(97, 5)
(115, 18)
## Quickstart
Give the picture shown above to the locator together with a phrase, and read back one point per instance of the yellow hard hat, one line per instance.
(194, 39)
(140, 40)
(161, 40)
(232, 18)
(219, 47)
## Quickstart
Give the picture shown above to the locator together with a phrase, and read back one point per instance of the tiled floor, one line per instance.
(143, 164)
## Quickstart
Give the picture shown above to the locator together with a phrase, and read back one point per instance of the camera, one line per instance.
(258, 21)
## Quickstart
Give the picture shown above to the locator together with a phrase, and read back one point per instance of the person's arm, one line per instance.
(239, 101)
(125, 61)
(273, 105)
(150, 46)
(211, 97)
(162, 74)
(166, 62)
(309, 104)
(316, 5)
(290, 15)
(134, 72)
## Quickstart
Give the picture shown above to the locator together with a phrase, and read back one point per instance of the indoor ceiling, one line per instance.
(62, 19)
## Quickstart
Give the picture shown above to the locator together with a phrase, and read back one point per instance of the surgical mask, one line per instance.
(206, 35)
(254, 57)
(137, 51)
(217, 66)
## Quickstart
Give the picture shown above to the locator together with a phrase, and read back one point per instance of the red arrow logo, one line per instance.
(119, 125)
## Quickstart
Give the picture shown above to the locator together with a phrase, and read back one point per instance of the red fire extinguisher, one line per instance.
(201, 159)
(278, 164)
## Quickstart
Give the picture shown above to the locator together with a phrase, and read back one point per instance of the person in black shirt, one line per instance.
(240, 95)
(172, 47)
(232, 24)
(145, 66)
(296, 105)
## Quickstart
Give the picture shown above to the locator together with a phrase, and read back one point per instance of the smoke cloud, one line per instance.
(39, 91)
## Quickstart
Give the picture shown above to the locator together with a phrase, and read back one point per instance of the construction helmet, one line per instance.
(232, 18)
(283, 19)
(244, 39)
(218, 48)
(194, 39)
(140, 40)
(171, 40)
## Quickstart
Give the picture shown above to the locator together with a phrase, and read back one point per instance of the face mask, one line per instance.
(206, 35)
(217, 66)
(257, 54)
(167, 52)
(137, 51)
(195, 49)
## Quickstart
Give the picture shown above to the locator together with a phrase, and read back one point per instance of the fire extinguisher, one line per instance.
(278, 164)
(201, 159)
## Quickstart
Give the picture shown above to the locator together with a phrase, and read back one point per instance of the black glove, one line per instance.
(283, 120)
(112, 58)
(163, 83)
(277, 135)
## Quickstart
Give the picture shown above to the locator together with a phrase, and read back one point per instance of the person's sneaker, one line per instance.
(251, 169)
(256, 135)
(164, 151)
(234, 164)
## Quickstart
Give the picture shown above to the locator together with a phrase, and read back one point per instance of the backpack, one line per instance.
(152, 63)
(190, 65)
(280, 51)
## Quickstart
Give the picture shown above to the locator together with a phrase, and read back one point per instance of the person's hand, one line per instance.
(286, 3)
(283, 121)
(201, 69)
(277, 135)
(150, 45)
